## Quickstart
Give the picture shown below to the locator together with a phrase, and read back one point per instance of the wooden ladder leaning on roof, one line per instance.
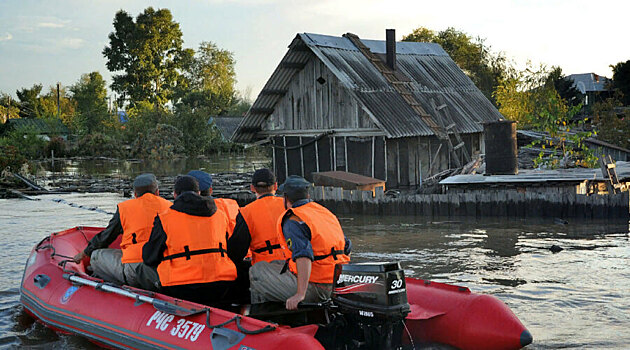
(402, 87)
(610, 175)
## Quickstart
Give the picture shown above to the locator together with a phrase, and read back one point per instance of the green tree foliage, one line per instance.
(210, 80)
(565, 87)
(26, 141)
(30, 106)
(148, 52)
(162, 142)
(67, 106)
(611, 122)
(621, 80)
(101, 144)
(90, 96)
(530, 99)
(9, 109)
(472, 55)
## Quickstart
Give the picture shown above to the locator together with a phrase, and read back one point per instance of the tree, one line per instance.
(621, 80)
(484, 68)
(90, 96)
(210, 80)
(565, 87)
(612, 123)
(9, 109)
(30, 106)
(149, 54)
(67, 108)
(530, 99)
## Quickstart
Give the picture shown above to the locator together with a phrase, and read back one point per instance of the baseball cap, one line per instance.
(204, 179)
(295, 184)
(144, 180)
(263, 177)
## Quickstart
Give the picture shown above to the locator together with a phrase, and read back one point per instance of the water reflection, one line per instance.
(220, 163)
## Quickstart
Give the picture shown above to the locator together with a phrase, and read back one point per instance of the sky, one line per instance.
(46, 42)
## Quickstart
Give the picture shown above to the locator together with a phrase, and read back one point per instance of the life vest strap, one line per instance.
(332, 253)
(268, 247)
(188, 253)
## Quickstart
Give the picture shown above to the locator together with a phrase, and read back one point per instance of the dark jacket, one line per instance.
(106, 237)
(188, 203)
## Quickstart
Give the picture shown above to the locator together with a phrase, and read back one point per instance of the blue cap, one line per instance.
(295, 184)
(204, 179)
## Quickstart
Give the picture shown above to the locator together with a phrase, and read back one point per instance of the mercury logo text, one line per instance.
(357, 279)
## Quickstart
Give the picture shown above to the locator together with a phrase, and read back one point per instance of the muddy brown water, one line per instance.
(577, 298)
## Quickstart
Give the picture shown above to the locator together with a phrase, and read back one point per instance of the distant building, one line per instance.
(594, 87)
(392, 111)
(44, 128)
(227, 125)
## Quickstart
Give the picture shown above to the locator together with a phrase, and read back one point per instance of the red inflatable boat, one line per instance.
(373, 307)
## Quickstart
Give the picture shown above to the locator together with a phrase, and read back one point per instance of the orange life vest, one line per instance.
(136, 218)
(262, 217)
(229, 207)
(327, 240)
(195, 249)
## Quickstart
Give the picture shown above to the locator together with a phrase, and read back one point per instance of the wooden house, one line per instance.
(397, 111)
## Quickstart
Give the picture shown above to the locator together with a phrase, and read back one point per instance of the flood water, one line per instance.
(577, 298)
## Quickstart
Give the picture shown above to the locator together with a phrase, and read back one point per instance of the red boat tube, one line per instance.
(453, 315)
(61, 295)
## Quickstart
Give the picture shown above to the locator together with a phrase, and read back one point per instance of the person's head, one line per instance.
(205, 181)
(263, 182)
(294, 189)
(185, 183)
(145, 183)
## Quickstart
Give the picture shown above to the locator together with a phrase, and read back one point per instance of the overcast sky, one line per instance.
(49, 41)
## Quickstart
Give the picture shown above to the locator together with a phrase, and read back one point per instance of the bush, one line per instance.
(26, 141)
(99, 144)
(10, 158)
(58, 145)
(162, 142)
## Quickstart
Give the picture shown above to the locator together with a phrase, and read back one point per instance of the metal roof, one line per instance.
(227, 125)
(589, 82)
(40, 126)
(432, 75)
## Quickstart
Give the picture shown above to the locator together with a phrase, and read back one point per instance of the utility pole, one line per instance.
(58, 106)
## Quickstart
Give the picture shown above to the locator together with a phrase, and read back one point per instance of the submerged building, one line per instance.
(397, 111)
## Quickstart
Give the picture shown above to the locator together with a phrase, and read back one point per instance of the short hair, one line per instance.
(142, 190)
(263, 189)
(184, 183)
(205, 193)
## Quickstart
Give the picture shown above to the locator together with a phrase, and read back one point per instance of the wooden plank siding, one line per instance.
(309, 105)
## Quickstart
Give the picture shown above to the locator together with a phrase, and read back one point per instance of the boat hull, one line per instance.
(440, 313)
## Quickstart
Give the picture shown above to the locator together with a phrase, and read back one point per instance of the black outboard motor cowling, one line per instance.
(372, 297)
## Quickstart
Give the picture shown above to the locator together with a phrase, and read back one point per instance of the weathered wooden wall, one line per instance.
(479, 204)
(310, 105)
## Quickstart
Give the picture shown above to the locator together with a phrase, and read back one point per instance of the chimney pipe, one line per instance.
(390, 48)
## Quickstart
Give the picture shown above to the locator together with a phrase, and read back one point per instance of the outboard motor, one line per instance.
(372, 301)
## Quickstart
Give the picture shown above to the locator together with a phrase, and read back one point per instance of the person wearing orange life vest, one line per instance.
(317, 243)
(228, 206)
(133, 220)
(256, 223)
(188, 247)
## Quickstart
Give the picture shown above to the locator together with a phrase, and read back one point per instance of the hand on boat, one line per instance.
(292, 302)
(77, 258)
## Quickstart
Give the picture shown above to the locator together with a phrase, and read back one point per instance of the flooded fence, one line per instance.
(491, 202)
